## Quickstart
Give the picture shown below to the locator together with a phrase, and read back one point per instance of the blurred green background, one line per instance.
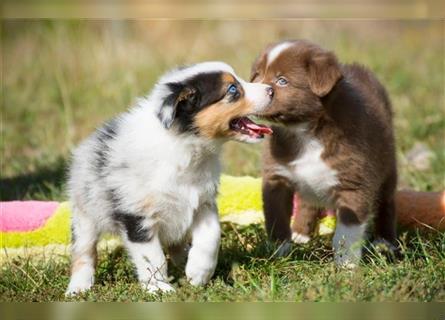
(63, 78)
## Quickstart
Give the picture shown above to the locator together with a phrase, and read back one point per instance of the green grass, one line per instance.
(249, 271)
(62, 79)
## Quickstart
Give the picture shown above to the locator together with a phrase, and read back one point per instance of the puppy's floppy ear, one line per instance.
(324, 72)
(180, 95)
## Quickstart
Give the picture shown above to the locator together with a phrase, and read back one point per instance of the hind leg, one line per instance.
(303, 224)
(83, 252)
(385, 219)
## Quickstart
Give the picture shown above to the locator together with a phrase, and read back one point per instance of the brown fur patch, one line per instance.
(79, 258)
(77, 265)
(228, 78)
(304, 222)
(213, 121)
(277, 195)
(185, 94)
(323, 73)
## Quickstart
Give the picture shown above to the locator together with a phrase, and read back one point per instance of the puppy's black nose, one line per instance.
(269, 91)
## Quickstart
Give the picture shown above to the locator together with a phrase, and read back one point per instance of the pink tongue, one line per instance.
(256, 127)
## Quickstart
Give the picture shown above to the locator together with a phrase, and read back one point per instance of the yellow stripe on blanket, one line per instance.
(55, 231)
(239, 200)
(239, 194)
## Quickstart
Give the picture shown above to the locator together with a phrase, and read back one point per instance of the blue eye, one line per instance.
(282, 81)
(232, 89)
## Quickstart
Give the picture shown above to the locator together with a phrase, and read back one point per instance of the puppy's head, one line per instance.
(301, 73)
(209, 100)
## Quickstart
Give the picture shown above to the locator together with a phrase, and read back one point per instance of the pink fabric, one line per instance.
(25, 215)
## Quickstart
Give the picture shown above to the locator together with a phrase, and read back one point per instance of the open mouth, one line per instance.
(246, 126)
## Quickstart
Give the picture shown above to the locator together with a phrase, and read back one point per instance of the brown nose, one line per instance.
(269, 91)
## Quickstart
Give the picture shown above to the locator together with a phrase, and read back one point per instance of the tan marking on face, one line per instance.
(228, 78)
(213, 121)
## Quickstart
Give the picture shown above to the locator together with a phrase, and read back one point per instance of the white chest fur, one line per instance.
(167, 177)
(313, 178)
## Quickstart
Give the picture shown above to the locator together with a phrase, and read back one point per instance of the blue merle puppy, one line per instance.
(151, 174)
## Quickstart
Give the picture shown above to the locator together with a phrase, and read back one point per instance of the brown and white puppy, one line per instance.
(333, 143)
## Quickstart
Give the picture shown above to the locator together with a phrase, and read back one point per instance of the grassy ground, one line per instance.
(61, 79)
(248, 271)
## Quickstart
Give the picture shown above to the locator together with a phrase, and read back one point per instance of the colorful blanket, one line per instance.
(40, 224)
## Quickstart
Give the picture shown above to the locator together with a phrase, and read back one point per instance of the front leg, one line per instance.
(352, 217)
(203, 254)
(277, 206)
(145, 249)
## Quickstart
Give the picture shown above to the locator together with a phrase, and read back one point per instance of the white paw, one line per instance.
(199, 277)
(300, 238)
(199, 274)
(157, 286)
(347, 265)
(81, 280)
(76, 286)
(345, 261)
